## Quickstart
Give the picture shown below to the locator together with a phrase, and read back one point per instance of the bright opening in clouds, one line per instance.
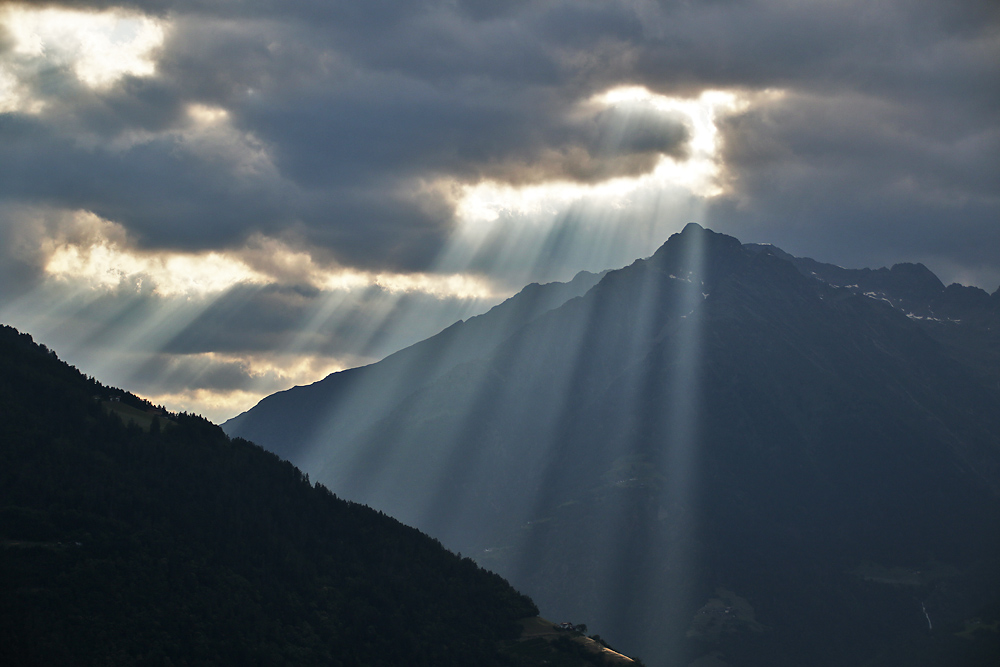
(99, 46)
(313, 180)
(206, 115)
(699, 170)
(197, 382)
(207, 203)
(696, 171)
(107, 262)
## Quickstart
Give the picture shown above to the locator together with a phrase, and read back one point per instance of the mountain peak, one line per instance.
(697, 250)
(692, 228)
(695, 237)
(693, 231)
(916, 276)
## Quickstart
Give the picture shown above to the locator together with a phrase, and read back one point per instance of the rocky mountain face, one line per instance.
(718, 455)
(965, 319)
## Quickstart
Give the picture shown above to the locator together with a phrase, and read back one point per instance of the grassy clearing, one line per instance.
(538, 633)
(132, 415)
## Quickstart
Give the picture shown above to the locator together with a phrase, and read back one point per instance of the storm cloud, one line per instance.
(335, 111)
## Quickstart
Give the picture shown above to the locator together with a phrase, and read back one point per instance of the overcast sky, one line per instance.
(205, 202)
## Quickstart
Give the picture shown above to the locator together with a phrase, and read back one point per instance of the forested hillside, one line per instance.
(161, 541)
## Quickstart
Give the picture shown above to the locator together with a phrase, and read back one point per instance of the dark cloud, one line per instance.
(167, 196)
(175, 374)
(337, 110)
(368, 323)
(871, 136)
(19, 270)
(347, 132)
(407, 129)
(866, 182)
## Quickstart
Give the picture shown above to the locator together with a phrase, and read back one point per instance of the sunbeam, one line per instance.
(497, 270)
(416, 469)
(529, 232)
(676, 448)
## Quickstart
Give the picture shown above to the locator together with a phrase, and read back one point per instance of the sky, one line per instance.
(205, 202)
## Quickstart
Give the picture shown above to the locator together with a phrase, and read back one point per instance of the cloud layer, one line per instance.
(476, 143)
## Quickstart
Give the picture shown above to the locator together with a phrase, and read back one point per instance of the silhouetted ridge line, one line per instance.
(132, 535)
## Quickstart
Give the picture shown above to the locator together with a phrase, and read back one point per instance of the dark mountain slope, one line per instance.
(966, 320)
(175, 545)
(292, 423)
(712, 454)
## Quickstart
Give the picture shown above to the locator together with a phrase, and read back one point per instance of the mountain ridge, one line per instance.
(719, 419)
(914, 290)
(416, 363)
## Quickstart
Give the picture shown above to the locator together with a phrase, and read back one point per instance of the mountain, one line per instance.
(712, 454)
(288, 423)
(966, 320)
(129, 535)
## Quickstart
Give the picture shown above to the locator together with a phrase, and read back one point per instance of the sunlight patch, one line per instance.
(267, 372)
(207, 115)
(276, 371)
(100, 47)
(98, 254)
(696, 173)
(14, 95)
(489, 200)
(109, 264)
(216, 406)
(288, 265)
(264, 375)
(456, 285)
(462, 286)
